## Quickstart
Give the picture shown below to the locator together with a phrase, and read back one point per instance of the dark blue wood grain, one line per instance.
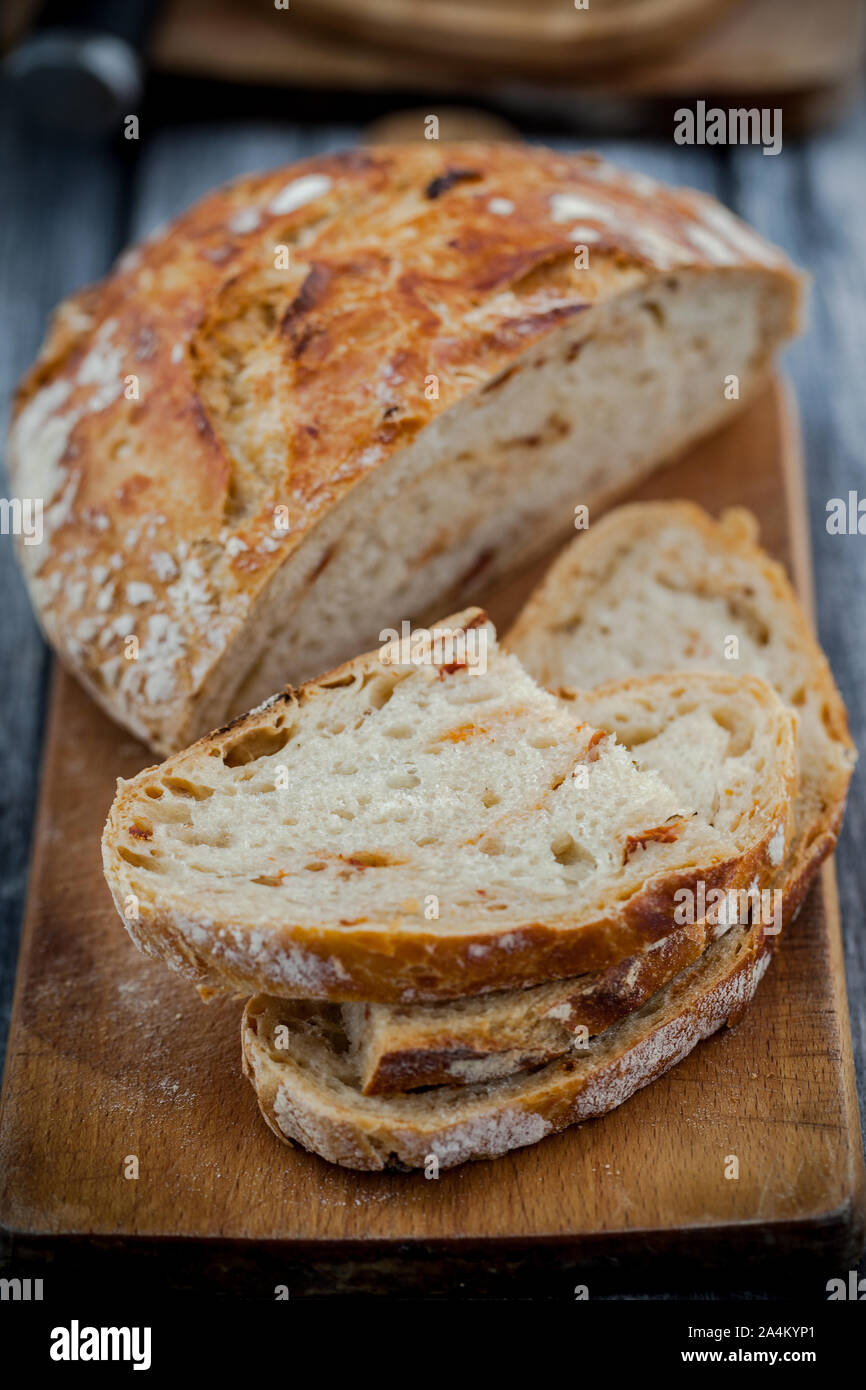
(61, 220)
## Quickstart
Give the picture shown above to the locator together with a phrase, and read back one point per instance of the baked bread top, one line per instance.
(192, 417)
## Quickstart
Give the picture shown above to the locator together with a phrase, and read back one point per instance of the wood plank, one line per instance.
(801, 55)
(111, 1056)
(548, 36)
(811, 201)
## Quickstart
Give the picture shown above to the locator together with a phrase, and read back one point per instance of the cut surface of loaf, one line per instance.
(713, 737)
(661, 586)
(407, 411)
(306, 1080)
(427, 823)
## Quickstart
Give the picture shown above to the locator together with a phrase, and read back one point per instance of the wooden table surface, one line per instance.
(67, 210)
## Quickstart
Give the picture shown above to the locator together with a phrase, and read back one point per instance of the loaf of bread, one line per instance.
(308, 1088)
(652, 587)
(711, 737)
(430, 823)
(348, 393)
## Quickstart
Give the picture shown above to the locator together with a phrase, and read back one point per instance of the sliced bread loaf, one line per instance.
(426, 824)
(704, 734)
(365, 386)
(308, 1088)
(661, 586)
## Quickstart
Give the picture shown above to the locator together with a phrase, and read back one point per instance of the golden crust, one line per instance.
(326, 1113)
(596, 1002)
(199, 387)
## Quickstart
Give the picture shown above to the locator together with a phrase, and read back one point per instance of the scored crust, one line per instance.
(212, 434)
(254, 945)
(308, 1091)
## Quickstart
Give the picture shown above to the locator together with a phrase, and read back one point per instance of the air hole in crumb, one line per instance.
(254, 744)
(542, 740)
(181, 786)
(740, 737)
(492, 845)
(336, 682)
(403, 780)
(567, 852)
(634, 737)
(213, 839)
(379, 688)
(139, 861)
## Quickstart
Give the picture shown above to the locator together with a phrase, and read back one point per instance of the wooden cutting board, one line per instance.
(802, 57)
(547, 35)
(111, 1056)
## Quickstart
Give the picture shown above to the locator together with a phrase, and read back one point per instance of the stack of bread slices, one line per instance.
(474, 891)
(483, 889)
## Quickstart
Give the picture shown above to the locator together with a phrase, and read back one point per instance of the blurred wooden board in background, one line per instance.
(801, 56)
(509, 35)
(792, 53)
(111, 1056)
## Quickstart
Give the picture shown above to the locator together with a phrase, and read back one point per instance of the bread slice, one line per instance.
(463, 1041)
(661, 586)
(307, 849)
(652, 587)
(366, 386)
(704, 734)
(305, 1074)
